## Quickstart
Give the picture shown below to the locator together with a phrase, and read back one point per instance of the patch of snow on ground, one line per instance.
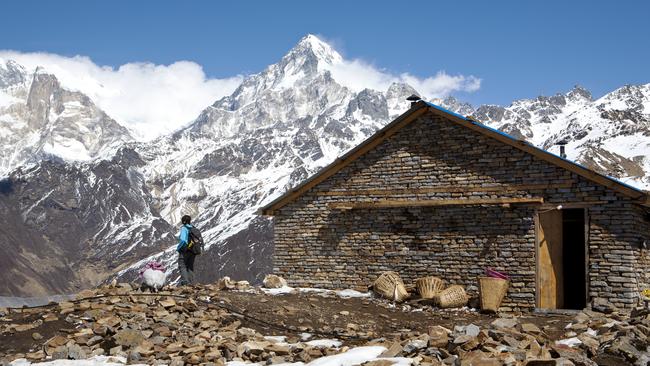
(278, 291)
(571, 342)
(358, 356)
(347, 293)
(309, 289)
(276, 339)
(353, 293)
(325, 343)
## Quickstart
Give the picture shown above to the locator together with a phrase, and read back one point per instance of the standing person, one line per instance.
(185, 255)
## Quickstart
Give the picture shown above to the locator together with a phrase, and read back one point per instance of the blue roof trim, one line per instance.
(529, 144)
(445, 110)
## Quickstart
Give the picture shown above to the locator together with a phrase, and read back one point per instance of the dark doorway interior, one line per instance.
(573, 258)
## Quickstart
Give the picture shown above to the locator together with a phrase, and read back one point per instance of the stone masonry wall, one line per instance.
(319, 246)
(642, 254)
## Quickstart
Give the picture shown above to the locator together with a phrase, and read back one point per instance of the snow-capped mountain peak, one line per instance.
(579, 93)
(299, 88)
(40, 118)
(315, 49)
(11, 73)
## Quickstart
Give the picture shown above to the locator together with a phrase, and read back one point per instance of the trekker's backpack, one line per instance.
(195, 244)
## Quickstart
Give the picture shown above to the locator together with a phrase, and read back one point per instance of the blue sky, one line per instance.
(519, 49)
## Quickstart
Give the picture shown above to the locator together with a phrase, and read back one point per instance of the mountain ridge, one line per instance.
(277, 128)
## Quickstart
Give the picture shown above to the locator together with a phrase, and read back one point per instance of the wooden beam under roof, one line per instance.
(444, 189)
(431, 203)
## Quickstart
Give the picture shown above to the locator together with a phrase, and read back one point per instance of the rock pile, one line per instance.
(196, 326)
(591, 339)
(159, 328)
(273, 281)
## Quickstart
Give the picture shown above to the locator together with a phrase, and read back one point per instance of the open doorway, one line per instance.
(561, 259)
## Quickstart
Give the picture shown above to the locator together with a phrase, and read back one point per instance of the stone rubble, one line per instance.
(186, 331)
(273, 281)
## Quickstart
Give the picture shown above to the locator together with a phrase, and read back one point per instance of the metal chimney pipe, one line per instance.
(561, 143)
(414, 99)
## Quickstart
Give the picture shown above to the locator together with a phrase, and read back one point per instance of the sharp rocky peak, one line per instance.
(578, 92)
(307, 58)
(315, 50)
(11, 73)
(400, 90)
(306, 64)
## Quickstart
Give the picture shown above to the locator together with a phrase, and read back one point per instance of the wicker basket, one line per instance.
(428, 287)
(452, 297)
(492, 292)
(390, 286)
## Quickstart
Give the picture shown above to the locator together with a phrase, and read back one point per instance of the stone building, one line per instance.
(435, 193)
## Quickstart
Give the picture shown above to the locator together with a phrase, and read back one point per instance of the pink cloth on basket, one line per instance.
(156, 266)
(492, 273)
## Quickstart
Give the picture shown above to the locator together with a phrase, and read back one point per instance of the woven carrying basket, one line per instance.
(492, 292)
(452, 297)
(428, 287)
(390, 286)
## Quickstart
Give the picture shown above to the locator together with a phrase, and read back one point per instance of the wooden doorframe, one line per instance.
(549, 273)
(586, 230)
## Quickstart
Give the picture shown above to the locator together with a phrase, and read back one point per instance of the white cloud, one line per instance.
(149, 99)
(153, 100)
(442, 84)
(358, 75)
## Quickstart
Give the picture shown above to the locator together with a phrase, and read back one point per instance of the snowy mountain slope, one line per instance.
(40, 118)
(277, 128)
(610, 134)
(70, 226)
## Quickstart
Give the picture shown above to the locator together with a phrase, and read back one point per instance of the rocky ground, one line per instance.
(208, 324)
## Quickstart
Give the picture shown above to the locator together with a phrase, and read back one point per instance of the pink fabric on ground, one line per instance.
(156, 266)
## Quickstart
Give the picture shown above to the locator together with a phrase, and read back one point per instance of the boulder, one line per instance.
(274, 281)
(438, 336)
(505, 323)
(602, 305)
(225, 283)
(129, 337)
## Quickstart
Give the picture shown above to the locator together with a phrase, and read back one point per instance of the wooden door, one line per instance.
(550, 291)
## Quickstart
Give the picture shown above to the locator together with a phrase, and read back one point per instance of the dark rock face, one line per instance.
(490, 112)
(70, 227)
(370, 103)
(246, 255)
